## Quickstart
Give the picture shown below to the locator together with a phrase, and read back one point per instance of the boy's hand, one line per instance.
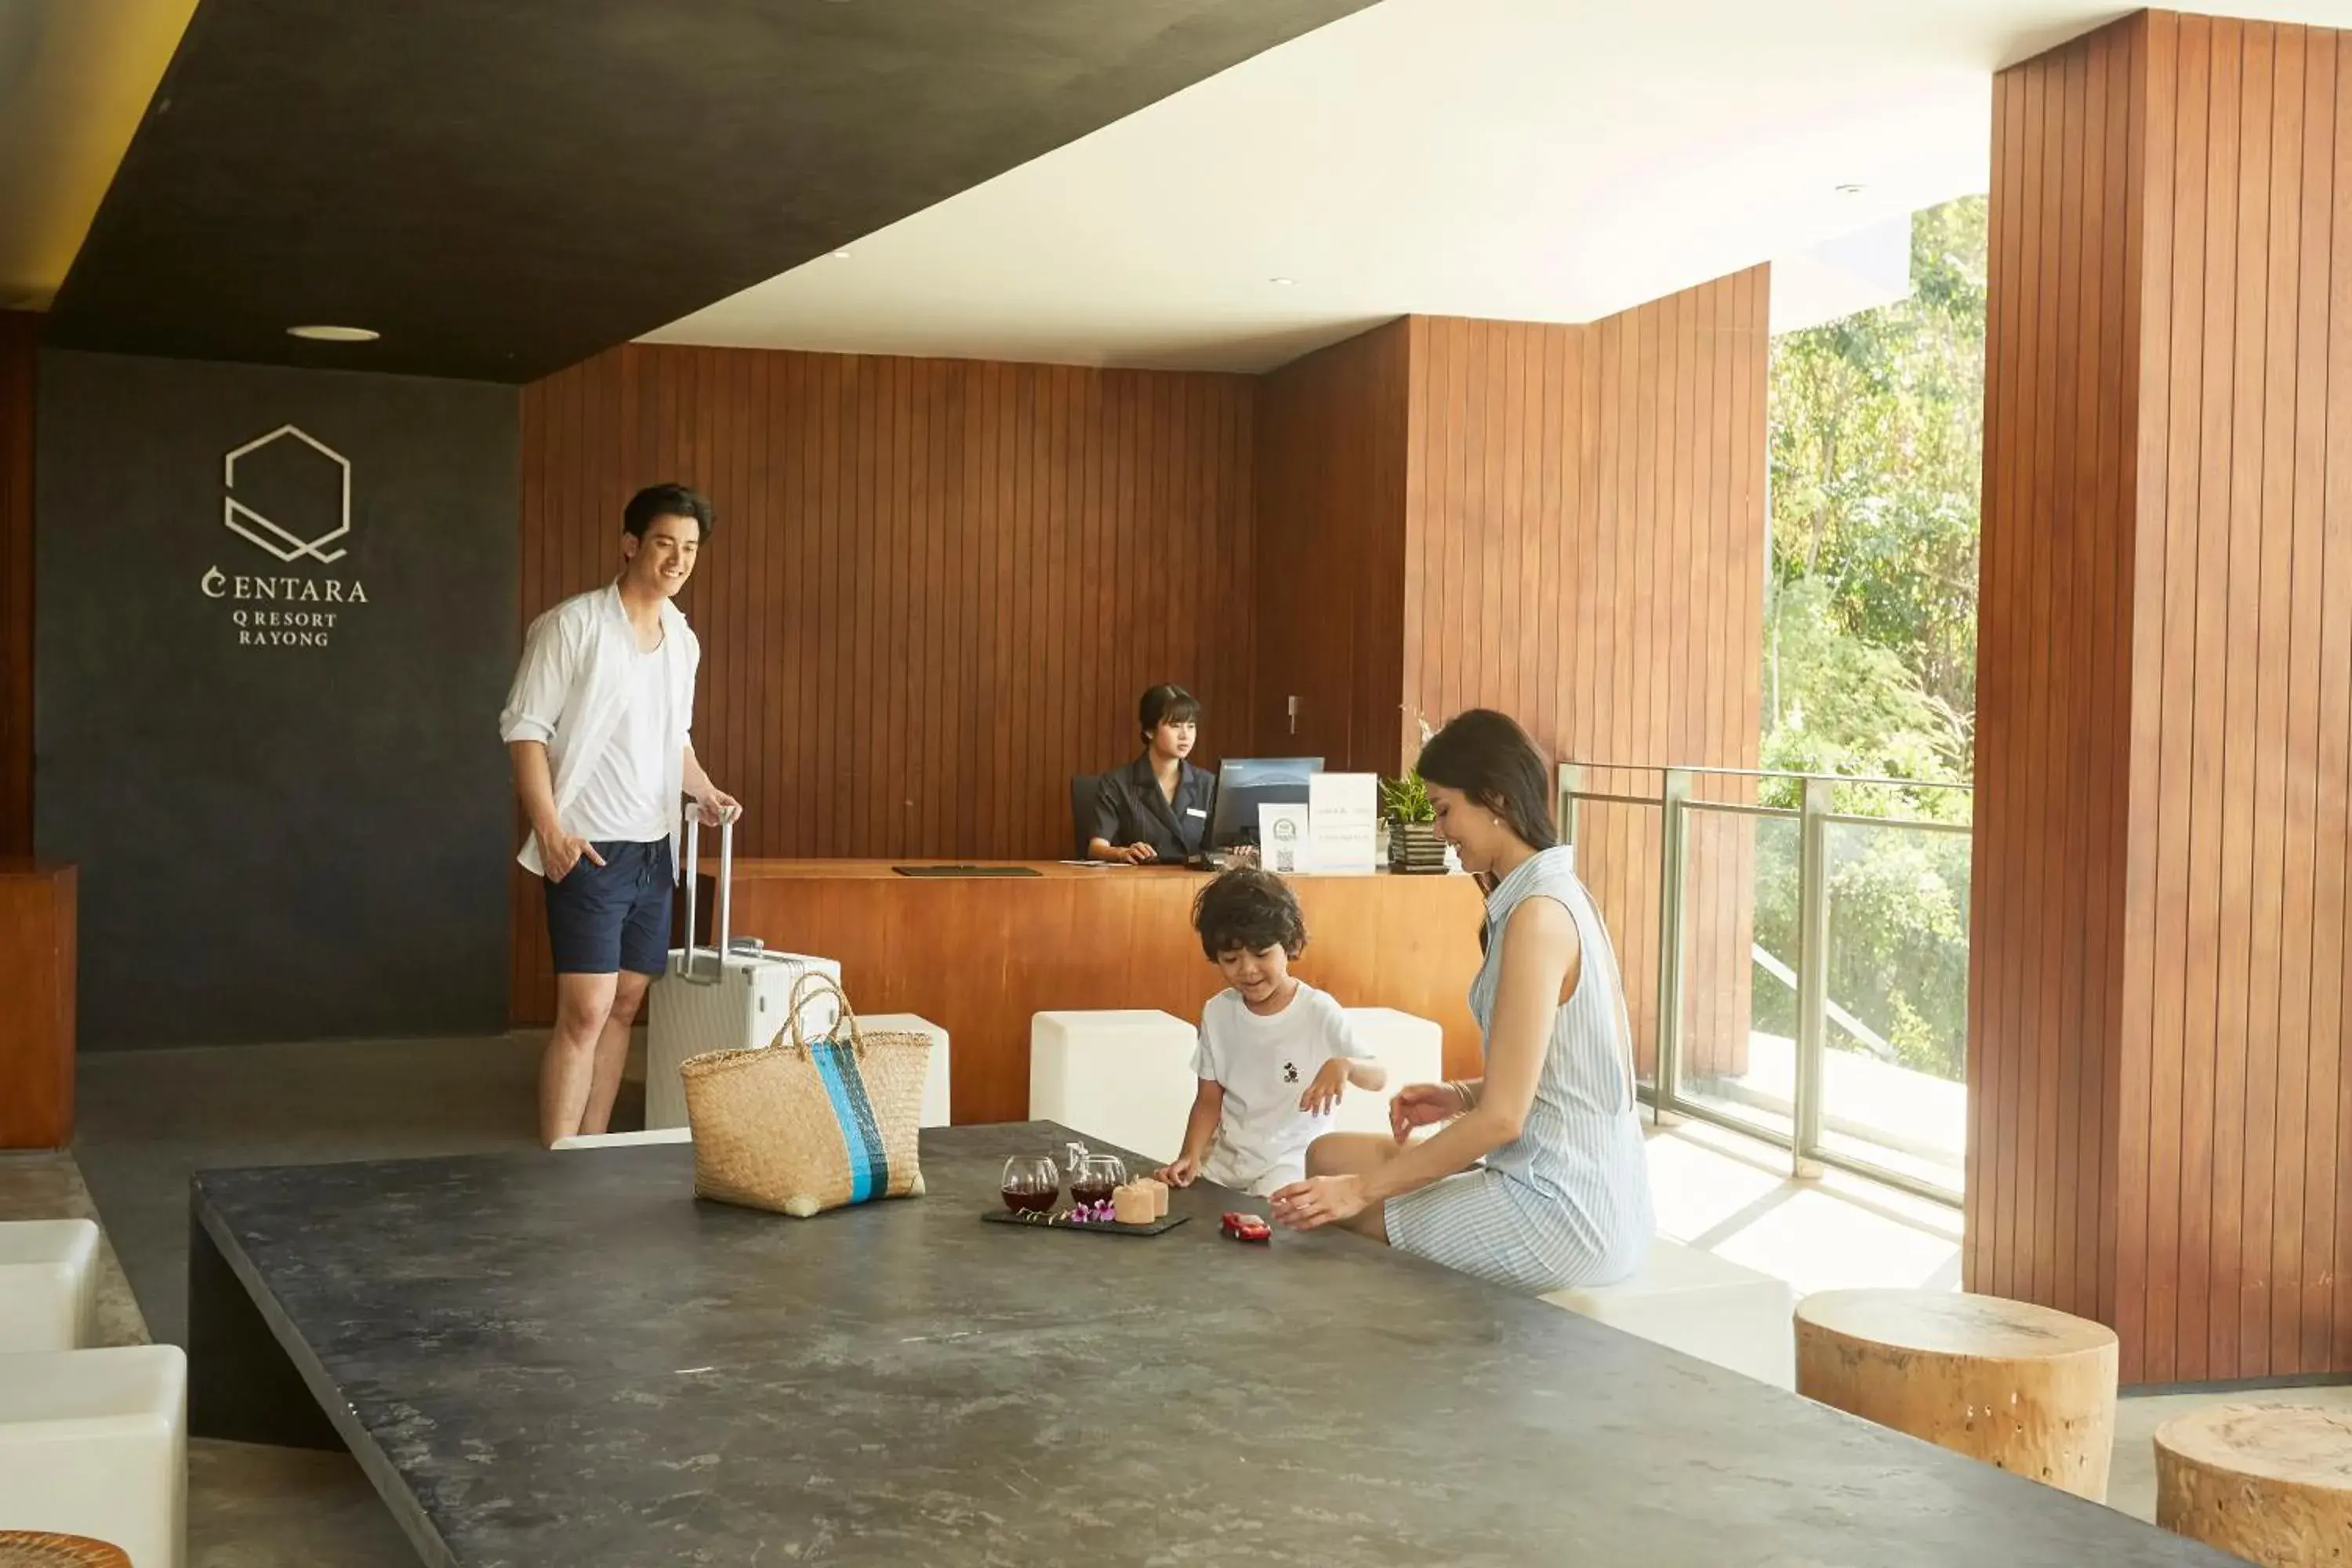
(1329, 1083)
(1181, 1174)
(1422, 1105)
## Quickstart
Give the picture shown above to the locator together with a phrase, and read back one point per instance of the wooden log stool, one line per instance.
(2027, 1388)
(36, 1549)
(2271, 1483)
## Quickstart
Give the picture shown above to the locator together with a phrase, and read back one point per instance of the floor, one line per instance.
(149, 1120)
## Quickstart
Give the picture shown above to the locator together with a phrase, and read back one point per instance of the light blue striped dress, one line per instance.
(1567, 1202)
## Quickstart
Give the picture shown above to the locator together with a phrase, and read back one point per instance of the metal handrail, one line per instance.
(1762, 958)
(1809, 973)
(1767, 774)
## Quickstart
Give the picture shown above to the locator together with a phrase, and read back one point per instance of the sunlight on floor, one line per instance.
(1727, 1193)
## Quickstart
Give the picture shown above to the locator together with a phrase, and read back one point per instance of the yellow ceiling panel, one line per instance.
(75, 79)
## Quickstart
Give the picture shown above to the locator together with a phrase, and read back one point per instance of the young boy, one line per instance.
(1275, 1054)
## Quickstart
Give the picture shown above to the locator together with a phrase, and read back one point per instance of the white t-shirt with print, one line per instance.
(1263, 1063)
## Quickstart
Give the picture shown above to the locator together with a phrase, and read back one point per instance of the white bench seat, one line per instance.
(95, 1442)
(624, 1140)
(1704, 1306)
(48, 1285)
(1122, 1076)
(1412, 1047)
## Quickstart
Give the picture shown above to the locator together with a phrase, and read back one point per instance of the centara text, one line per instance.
(261, 623)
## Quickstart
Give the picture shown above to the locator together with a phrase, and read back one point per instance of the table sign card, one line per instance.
(1343, 821)
(1282, 839)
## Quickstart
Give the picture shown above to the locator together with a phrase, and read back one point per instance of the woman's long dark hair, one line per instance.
(1487, 756)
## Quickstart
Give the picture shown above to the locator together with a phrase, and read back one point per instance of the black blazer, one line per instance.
(1129, 809)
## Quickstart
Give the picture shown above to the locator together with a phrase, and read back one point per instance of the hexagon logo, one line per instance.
(287, 544)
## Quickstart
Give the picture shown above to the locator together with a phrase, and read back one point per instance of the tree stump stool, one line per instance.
(36, 1549)
(2027, 1388)
(2271, 1483)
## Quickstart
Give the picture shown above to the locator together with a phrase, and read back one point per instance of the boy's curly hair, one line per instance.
(1248, 908)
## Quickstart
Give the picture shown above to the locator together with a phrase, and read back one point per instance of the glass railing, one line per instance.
(1795, 950)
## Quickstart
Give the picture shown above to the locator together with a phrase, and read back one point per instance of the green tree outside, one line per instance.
(1869, 656)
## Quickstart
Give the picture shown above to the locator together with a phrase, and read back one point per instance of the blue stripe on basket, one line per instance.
(869, 1169)
(852, 1079)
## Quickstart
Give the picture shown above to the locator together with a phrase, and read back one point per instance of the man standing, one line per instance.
(597, 725)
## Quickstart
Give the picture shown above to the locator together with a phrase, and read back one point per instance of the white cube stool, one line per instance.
(95, 1442)
(1121, 1077)
(1703, 1306)
(624, 1140)
(1412, 1049)
(935, 1087)
(48, 1285)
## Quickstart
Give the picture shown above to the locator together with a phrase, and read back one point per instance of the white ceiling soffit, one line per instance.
(1532, 160)
(1857, 271)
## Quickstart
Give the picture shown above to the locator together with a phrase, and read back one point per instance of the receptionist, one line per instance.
(1157, 807)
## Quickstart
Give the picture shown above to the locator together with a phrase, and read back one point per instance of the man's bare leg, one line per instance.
(568, 1070)
(613, 1051)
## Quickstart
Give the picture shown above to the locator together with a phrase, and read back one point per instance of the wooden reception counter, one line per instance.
(979, 954)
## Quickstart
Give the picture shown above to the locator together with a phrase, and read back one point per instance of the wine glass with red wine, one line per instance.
(1031, 1183)
(1098, 1175)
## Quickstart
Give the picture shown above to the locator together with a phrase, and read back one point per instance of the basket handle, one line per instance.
(824, 982)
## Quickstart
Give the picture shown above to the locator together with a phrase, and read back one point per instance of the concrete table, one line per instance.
(566, 1360)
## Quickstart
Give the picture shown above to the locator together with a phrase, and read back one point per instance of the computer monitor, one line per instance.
(1245, 784)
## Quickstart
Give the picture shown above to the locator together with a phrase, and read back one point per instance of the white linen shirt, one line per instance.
(572, 685)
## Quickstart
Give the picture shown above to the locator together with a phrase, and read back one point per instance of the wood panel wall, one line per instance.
(935, 590)
(19, 339)
(1330, 566)
(1585, 552)
(37, 972)
(2161, 1119)
(1565, 523)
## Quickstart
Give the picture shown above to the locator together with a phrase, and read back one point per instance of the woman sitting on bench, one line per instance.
(1538, 1181)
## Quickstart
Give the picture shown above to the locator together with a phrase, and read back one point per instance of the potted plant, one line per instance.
(1413, 844)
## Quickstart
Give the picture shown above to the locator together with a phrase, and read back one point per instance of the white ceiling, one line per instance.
(1537, 159)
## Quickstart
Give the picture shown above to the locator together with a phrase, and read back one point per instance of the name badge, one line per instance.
(1194, 811)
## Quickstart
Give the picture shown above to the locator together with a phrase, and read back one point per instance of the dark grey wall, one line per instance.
(279, 840)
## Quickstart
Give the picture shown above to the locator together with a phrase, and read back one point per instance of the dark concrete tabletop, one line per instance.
(563, 1359)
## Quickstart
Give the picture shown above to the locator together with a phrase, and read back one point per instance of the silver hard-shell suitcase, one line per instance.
(727, 997)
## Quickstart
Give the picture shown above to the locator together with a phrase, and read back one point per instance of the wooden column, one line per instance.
(1563, 521)
(2160, 1123)
(36, 1025)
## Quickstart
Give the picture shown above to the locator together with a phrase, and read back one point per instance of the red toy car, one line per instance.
(1246, 1227)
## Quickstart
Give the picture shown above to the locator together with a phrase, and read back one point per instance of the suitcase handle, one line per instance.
(690, 970)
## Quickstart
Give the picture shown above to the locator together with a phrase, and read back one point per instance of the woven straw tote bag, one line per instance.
(800, 1126)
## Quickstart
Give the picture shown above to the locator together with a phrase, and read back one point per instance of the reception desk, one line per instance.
(980, 955)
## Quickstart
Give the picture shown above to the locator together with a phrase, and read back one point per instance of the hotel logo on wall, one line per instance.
(298, 607)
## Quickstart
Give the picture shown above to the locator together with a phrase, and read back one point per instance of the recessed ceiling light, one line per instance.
(335, 334)
(1851, 190)
(1282, 282)
(841, 255)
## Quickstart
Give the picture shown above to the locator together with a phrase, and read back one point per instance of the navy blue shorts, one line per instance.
(602, 920)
